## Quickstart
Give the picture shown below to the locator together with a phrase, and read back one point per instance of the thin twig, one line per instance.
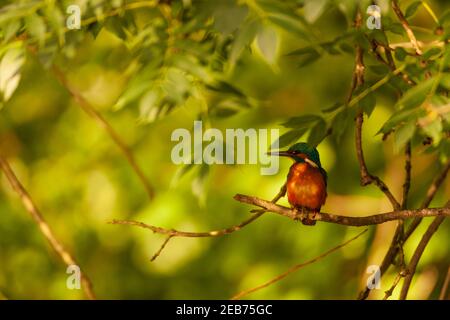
(394, 248)
(434, 187)
(157, 254)
(358, 80)
(389, 292)
(86, 107)
(407, 183)
(445, 285)
(405, 24)
(418, 254)
(47, 232)
(295, 268)
(366, 177)
(188, 234)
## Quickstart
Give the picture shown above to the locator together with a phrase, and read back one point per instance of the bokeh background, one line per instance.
(80, 181)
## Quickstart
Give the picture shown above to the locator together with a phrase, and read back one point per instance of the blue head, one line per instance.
(301, 152)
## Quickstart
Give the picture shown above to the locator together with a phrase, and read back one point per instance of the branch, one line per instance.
(358, 80)
(86, 107)
(156, 255)
(445, 286)
(432, 228)
(434, 187)
(389, 292)
(407, 183)
(338, 219)
(46, 231)
(405, 24)
(366, 177)
(295, 268)
(187, 234)
(418, 254)
(401, 236)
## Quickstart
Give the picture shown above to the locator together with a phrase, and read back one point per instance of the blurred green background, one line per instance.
(80, 181)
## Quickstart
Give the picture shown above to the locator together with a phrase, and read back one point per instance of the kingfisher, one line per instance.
(306, 183)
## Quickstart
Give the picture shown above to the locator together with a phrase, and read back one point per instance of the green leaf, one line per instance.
(305, 121)
(434, 130)
(228, 16)
(11, 29)
(379, 69)
(313, 9)
(340, 123)
(115, 26)
(332, 108)
(396, 28)
(404, 134)
(445, 80)
(289, 24)
(368, 103)
(398, 118)
(308, 59)
(244, 37)
(303, 51)
(412, 8)
(431, 52)
(400, 54)
(289, 137)
(10, 67)
(267, 41)
(36, 26)
(415, 96)
(317, 133)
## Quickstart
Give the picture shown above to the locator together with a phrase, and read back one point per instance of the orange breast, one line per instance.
(306, 186)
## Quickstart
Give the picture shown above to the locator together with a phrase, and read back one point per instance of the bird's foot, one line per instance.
(299, 213)
(309, 220)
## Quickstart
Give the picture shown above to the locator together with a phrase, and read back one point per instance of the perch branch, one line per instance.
(46, 231)
(338, 219)
(405, 24)
(89, 110)
(295, 268)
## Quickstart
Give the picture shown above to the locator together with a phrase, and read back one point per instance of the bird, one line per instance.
(306, 184)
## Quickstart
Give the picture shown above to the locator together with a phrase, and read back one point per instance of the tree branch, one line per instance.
(187, 234)
(407, 183)
(432, 228)
(338, 219)
(405, 24)
(418, 254)
(45, 229)
(86, 107)
(366, 177)
(157, 254)
(434, 187)
(445, 285)
(401, 236)
(295, 268)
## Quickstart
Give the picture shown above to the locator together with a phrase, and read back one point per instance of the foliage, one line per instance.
(167, 63)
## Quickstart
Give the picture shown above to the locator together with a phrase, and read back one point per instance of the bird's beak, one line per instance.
(280, 153)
